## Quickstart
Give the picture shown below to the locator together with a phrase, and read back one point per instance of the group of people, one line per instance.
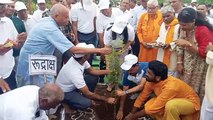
(164, 57)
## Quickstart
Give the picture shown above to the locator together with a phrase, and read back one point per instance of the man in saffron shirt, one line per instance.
(174, 99)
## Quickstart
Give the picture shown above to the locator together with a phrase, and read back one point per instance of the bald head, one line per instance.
(50, 95)
(60, 14)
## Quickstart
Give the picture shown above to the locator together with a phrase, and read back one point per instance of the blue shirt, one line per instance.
(143, 66)
(44, 37)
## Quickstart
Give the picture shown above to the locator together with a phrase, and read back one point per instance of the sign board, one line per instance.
(42, 65)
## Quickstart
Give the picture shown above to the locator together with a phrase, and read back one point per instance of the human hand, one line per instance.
(180, 68)
(4, 86)
(7, 46)
(129, 117)
(182, 43)
(209, 47)
(103, 57)
(21, 38)
(119, 115)
(105, 50)
(166, 46)
(120, 92)
(111, 100)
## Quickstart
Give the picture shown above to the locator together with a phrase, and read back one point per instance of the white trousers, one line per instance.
(206, 110)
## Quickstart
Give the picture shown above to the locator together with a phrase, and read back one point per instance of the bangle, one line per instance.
(126, 92)
(179, 62)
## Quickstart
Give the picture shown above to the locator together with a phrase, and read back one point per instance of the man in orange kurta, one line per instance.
(148, 31)
(174, 99)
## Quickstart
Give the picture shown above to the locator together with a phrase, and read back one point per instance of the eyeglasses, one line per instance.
(151, 8)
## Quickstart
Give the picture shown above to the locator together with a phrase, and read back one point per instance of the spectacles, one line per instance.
(151, 8)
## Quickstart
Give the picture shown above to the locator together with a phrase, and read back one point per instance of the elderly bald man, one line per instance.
(43, 39)
(30, 102)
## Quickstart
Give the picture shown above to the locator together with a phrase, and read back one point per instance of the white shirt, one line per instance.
(211, 13)
(21, 104)
(102, 21)
(85, 18)
(108, 35)
(136, 79)
(210, 20)
(136, 12)
(37, 15)
(71, 75)
(29, 23)
(7, 31)
(117, 12)
(162, 38)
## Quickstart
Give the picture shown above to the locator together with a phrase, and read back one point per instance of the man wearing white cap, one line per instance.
(193, 4)
(44, 37)
(78, 88)
(21, 9)
(133, 79)
(83, 15)
(9, 39)
(104, 17)
(17, 22)
(119, 32)
(37, 15)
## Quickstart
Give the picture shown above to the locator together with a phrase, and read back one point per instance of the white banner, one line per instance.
(42, 64)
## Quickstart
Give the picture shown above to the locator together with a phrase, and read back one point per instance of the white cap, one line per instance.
(83, 45)
(129, 60)
(20, 6)
(5, 1)
(87, 4)
(120, 23)
(193, 1)
(103, 4)
(40, 1)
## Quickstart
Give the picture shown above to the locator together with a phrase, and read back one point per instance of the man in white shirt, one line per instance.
(193, 4)
(21, 9)
(177, 6)
(9, 39)
(78, 88)
(37, 15)
(207, 105)
(137, 11)
(104, 17)
(83, 15)
(202, 8)
(124, 5)
(29, 102)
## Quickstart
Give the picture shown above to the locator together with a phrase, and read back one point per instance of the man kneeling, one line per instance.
(78, 88)
(174, 99)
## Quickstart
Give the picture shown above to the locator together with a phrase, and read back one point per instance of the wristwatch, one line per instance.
(126, 92)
